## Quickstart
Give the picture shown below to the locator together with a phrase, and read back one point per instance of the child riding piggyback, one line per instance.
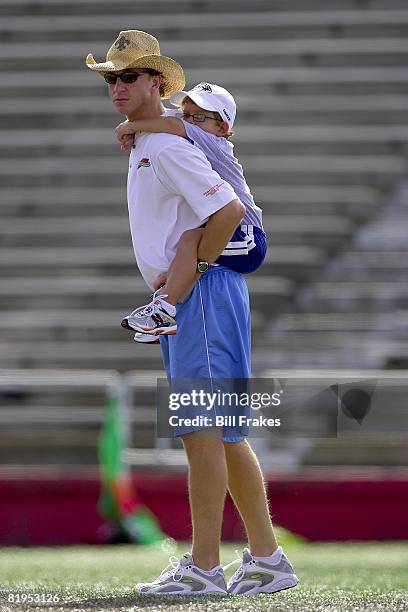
(205, 117)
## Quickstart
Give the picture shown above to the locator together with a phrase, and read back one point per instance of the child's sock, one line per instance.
(170, 308)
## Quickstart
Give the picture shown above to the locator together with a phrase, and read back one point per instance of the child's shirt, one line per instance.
(220, 153)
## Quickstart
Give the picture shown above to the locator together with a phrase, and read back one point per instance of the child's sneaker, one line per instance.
(182, 577)
(158, 317)
(146, 338)
(256, 576)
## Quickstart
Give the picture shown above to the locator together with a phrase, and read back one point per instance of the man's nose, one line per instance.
(119, 86)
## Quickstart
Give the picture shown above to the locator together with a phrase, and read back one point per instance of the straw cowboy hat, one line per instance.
(136, 49)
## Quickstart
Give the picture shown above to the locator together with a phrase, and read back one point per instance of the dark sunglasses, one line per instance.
(199, 118)
(126, 77)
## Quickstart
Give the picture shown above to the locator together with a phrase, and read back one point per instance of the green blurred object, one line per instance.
(118, 502)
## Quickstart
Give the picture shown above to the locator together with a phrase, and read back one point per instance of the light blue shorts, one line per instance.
(213, 339)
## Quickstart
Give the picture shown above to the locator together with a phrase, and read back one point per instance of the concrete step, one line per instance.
(380, 170)
(326, 231)
(199, 54)
(394, 323)
(314, 224)
(294, 357)
(278, 109)
(111, 292)
(369, 296)
(289, 140)
(232, 21)
(369, 266)
(334, 350)
(55, 7)
(295, 262)
(299, 80)
(353, 201)
(119, 355)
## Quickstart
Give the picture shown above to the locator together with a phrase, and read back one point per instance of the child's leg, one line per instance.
(182, 274)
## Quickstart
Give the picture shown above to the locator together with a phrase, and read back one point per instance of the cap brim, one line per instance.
(177, 98)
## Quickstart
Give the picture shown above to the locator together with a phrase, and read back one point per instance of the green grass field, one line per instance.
(334, 577)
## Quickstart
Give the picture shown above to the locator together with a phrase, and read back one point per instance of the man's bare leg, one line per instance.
(207, 490)
(247, 489)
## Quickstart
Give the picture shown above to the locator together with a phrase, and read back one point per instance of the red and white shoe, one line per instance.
(158, 317)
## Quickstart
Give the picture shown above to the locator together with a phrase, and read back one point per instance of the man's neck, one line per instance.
(148, 112)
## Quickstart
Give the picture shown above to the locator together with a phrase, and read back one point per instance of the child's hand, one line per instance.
(127, 142)
(160, 281)
(125, 134)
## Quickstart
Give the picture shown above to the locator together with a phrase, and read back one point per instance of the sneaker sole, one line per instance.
(281, 585)
(153, 340)
(185, 594)
(161, 331)
(167, 331)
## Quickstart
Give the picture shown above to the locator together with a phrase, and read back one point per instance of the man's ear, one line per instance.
(156, 81)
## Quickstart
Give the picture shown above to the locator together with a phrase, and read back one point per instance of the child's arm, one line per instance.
(168, 125)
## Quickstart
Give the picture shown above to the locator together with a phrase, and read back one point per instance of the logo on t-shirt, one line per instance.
(144, 163)
(213, 190)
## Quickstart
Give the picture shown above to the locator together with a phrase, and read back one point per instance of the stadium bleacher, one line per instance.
(322, 94)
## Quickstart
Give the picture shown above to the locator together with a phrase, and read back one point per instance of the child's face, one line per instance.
(211, 125)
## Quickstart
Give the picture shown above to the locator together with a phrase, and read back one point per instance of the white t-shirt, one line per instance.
(171, 188)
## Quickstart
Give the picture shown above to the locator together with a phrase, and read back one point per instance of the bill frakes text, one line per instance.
(231, 420)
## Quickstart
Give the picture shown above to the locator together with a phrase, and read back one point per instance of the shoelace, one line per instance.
(240, 571)
(171, 570)
(151, 307)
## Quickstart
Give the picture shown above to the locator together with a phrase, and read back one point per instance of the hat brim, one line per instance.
(173, 74)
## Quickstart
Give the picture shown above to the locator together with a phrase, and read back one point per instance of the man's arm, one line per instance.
(219, 229)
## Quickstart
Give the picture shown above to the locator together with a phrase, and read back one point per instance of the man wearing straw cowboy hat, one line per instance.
(172, 188)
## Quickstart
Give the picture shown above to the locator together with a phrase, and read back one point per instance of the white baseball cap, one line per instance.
(209, 97)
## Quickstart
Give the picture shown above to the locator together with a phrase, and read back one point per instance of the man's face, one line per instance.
(131, 99)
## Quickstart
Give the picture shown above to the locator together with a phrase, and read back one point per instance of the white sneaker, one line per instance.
(182, 577)
(157, 317)
(254, 577)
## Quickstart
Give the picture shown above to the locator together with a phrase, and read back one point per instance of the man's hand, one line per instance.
(160, 281)
(126, 134)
